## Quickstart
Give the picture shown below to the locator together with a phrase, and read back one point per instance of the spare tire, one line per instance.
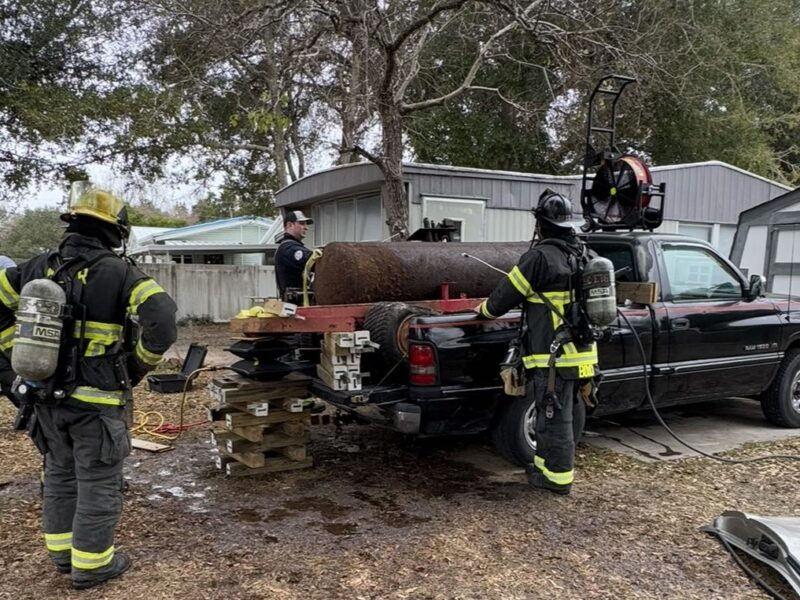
(387, 323)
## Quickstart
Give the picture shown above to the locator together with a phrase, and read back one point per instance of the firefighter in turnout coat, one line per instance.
(81, 427)
(546, 279)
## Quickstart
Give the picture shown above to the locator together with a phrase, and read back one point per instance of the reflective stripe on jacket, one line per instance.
(546, 270)
(107, 288)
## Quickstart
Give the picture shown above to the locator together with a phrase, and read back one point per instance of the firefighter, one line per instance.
(79, 415)
(544, 281)
(292, 255)
(6, 373)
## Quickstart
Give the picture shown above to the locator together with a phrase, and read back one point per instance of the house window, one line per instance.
(325, 224)
(348, 220)
(369, 224)
(469, 213)
(182, 259)
(213, 259)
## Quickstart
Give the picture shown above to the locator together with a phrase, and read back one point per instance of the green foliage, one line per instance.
(54, 90)
(147, 215)
(24, 236)
(717, 81)
(229, 204)
(246, 89)
(478, 128)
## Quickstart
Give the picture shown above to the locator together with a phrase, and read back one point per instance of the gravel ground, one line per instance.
(384, 517)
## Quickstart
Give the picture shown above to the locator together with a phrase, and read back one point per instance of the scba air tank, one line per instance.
(599, 292)
(37, 339)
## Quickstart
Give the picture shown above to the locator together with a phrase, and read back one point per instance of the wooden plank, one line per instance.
(253, 433)
(140, 444)
(256, 326)
(269, 441)
(225, 396)
(294, 428)
(254, 460)
(294, 452)
(239, 419)
(273, 465)
(638, 293)
(334, 318)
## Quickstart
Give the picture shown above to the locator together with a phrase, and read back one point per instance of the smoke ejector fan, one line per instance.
(617, 190)
(620, 195)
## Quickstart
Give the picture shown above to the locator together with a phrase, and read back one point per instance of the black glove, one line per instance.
(136, 370)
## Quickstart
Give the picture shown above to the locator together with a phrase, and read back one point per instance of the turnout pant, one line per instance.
(85, 445)
(555, 438)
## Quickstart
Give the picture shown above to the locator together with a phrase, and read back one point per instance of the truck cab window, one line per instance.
(694, 273)
(621, 256)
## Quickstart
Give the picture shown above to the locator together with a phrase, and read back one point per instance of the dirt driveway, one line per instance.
(384, 517)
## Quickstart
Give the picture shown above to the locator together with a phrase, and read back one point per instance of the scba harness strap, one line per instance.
(576, 328)
(71, 275)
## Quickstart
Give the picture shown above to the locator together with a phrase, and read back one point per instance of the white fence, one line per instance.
(215, 292)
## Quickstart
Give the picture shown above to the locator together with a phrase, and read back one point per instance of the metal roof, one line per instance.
(186, 247)
(704, 192)
(180, 232)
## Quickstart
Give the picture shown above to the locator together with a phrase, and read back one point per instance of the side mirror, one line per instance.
(756, 289)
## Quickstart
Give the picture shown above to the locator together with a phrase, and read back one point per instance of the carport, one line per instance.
(767, 242)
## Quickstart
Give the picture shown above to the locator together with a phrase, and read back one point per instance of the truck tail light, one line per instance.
(422, 364)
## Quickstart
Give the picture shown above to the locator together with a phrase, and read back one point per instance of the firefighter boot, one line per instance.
(63, 567)
(537, 480)
(86, 578)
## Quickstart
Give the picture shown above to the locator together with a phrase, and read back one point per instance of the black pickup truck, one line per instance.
(710, 334)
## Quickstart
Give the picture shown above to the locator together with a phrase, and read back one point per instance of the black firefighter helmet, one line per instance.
(556, 210)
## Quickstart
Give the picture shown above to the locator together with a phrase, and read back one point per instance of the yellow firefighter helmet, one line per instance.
(100, 204)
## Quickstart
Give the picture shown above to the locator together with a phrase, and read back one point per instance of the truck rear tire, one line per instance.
(387, 323)
(781, 402)
(514, 431)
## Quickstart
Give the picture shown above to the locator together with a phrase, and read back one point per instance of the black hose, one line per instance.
(760, 582)
(734, 461)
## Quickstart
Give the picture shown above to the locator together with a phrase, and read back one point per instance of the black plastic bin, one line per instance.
(171, 383)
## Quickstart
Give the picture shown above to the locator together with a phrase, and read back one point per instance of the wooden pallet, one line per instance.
(260, 427)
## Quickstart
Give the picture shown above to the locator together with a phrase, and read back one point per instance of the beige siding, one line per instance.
(217, 292)
(509, 225)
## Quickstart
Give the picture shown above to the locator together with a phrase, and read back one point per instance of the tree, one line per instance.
(226, 83)
(228, 204)
(59, 95)
(716, 81)
(425, 55)
(24, 236)
(146, 214)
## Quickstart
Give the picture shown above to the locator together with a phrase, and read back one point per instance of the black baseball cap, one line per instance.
(297, 216)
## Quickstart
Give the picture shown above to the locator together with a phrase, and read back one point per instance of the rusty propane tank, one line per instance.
(355, 272)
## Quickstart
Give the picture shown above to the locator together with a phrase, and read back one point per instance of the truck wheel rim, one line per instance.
(530, 426)
(796, 393)
(402, 335)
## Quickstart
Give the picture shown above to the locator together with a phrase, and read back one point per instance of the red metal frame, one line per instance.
(337, 317)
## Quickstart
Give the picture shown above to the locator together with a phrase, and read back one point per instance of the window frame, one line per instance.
(356, 201)
(668, 294)
(426, 199)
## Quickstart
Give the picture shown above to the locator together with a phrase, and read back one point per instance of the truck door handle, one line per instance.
(679, 324)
